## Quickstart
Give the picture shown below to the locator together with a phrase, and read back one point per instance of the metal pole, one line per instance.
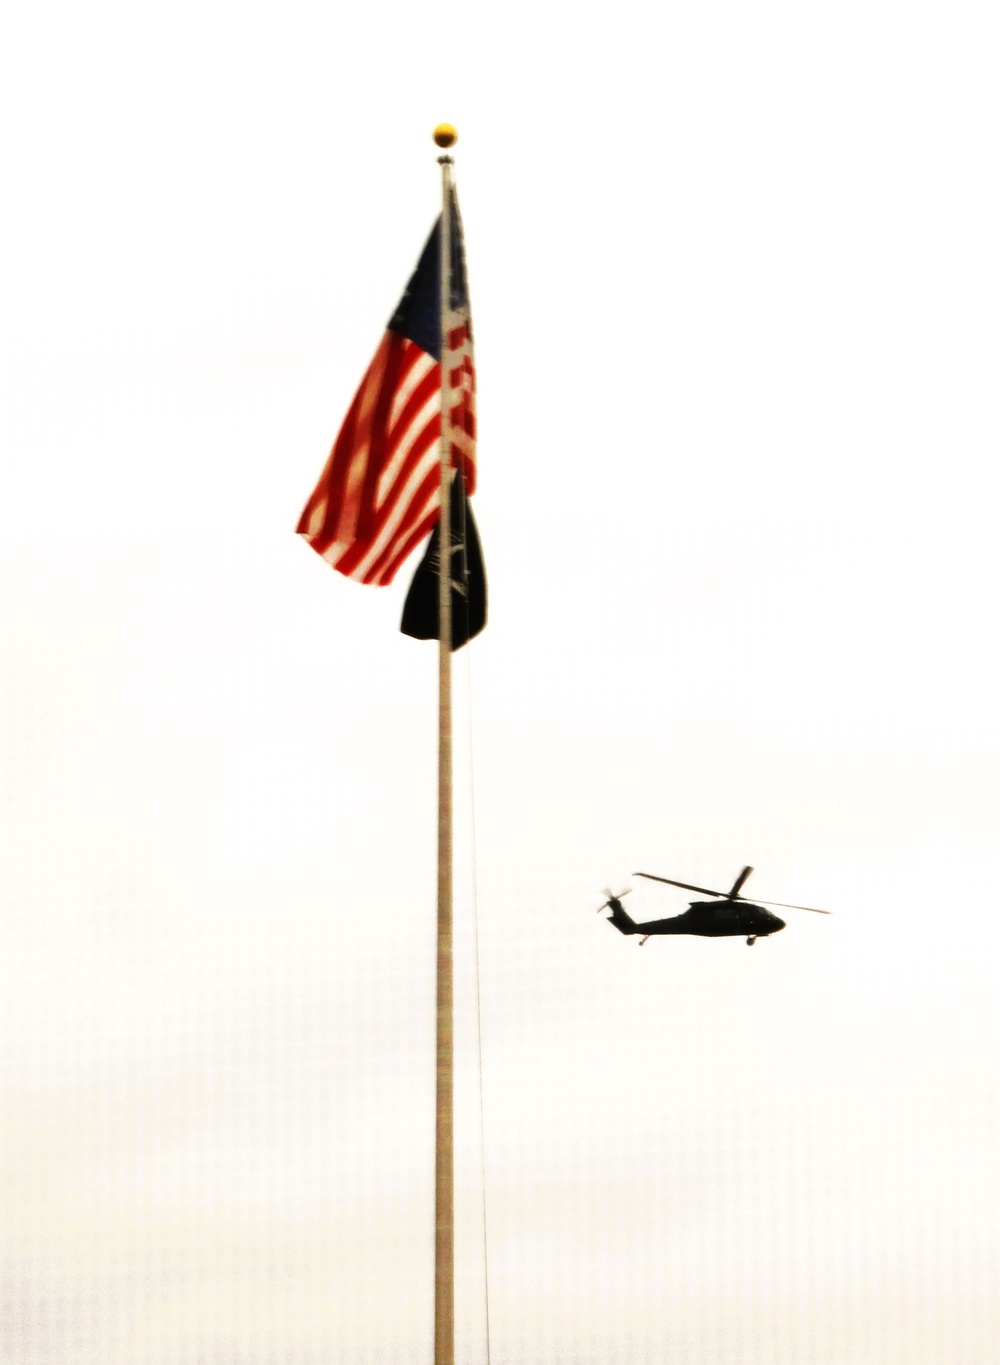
(444, 1164)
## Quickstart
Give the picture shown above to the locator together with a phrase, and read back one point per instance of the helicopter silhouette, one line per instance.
(729, 915)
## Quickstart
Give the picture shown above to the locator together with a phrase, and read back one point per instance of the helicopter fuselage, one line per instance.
(710, 919)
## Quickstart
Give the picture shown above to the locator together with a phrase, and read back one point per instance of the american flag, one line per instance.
(380, 492)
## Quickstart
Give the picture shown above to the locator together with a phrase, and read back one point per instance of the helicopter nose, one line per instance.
(778, 924)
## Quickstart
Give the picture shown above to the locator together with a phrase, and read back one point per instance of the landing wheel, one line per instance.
(751, 940)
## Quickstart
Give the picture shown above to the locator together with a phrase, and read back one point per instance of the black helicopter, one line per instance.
(729, 915)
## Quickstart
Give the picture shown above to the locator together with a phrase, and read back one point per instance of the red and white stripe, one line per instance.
(380, 492)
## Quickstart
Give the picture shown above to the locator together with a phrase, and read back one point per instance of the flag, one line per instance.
(380, 492)
(468, 579)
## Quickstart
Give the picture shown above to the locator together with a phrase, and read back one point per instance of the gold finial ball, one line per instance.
(445, 135)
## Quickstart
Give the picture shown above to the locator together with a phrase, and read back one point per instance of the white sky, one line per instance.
(735, 286)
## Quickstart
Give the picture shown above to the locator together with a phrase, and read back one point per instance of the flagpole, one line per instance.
(444, 1162)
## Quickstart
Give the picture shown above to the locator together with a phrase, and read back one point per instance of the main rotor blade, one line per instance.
(686, 885)
(785, 906)
(739, 882)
